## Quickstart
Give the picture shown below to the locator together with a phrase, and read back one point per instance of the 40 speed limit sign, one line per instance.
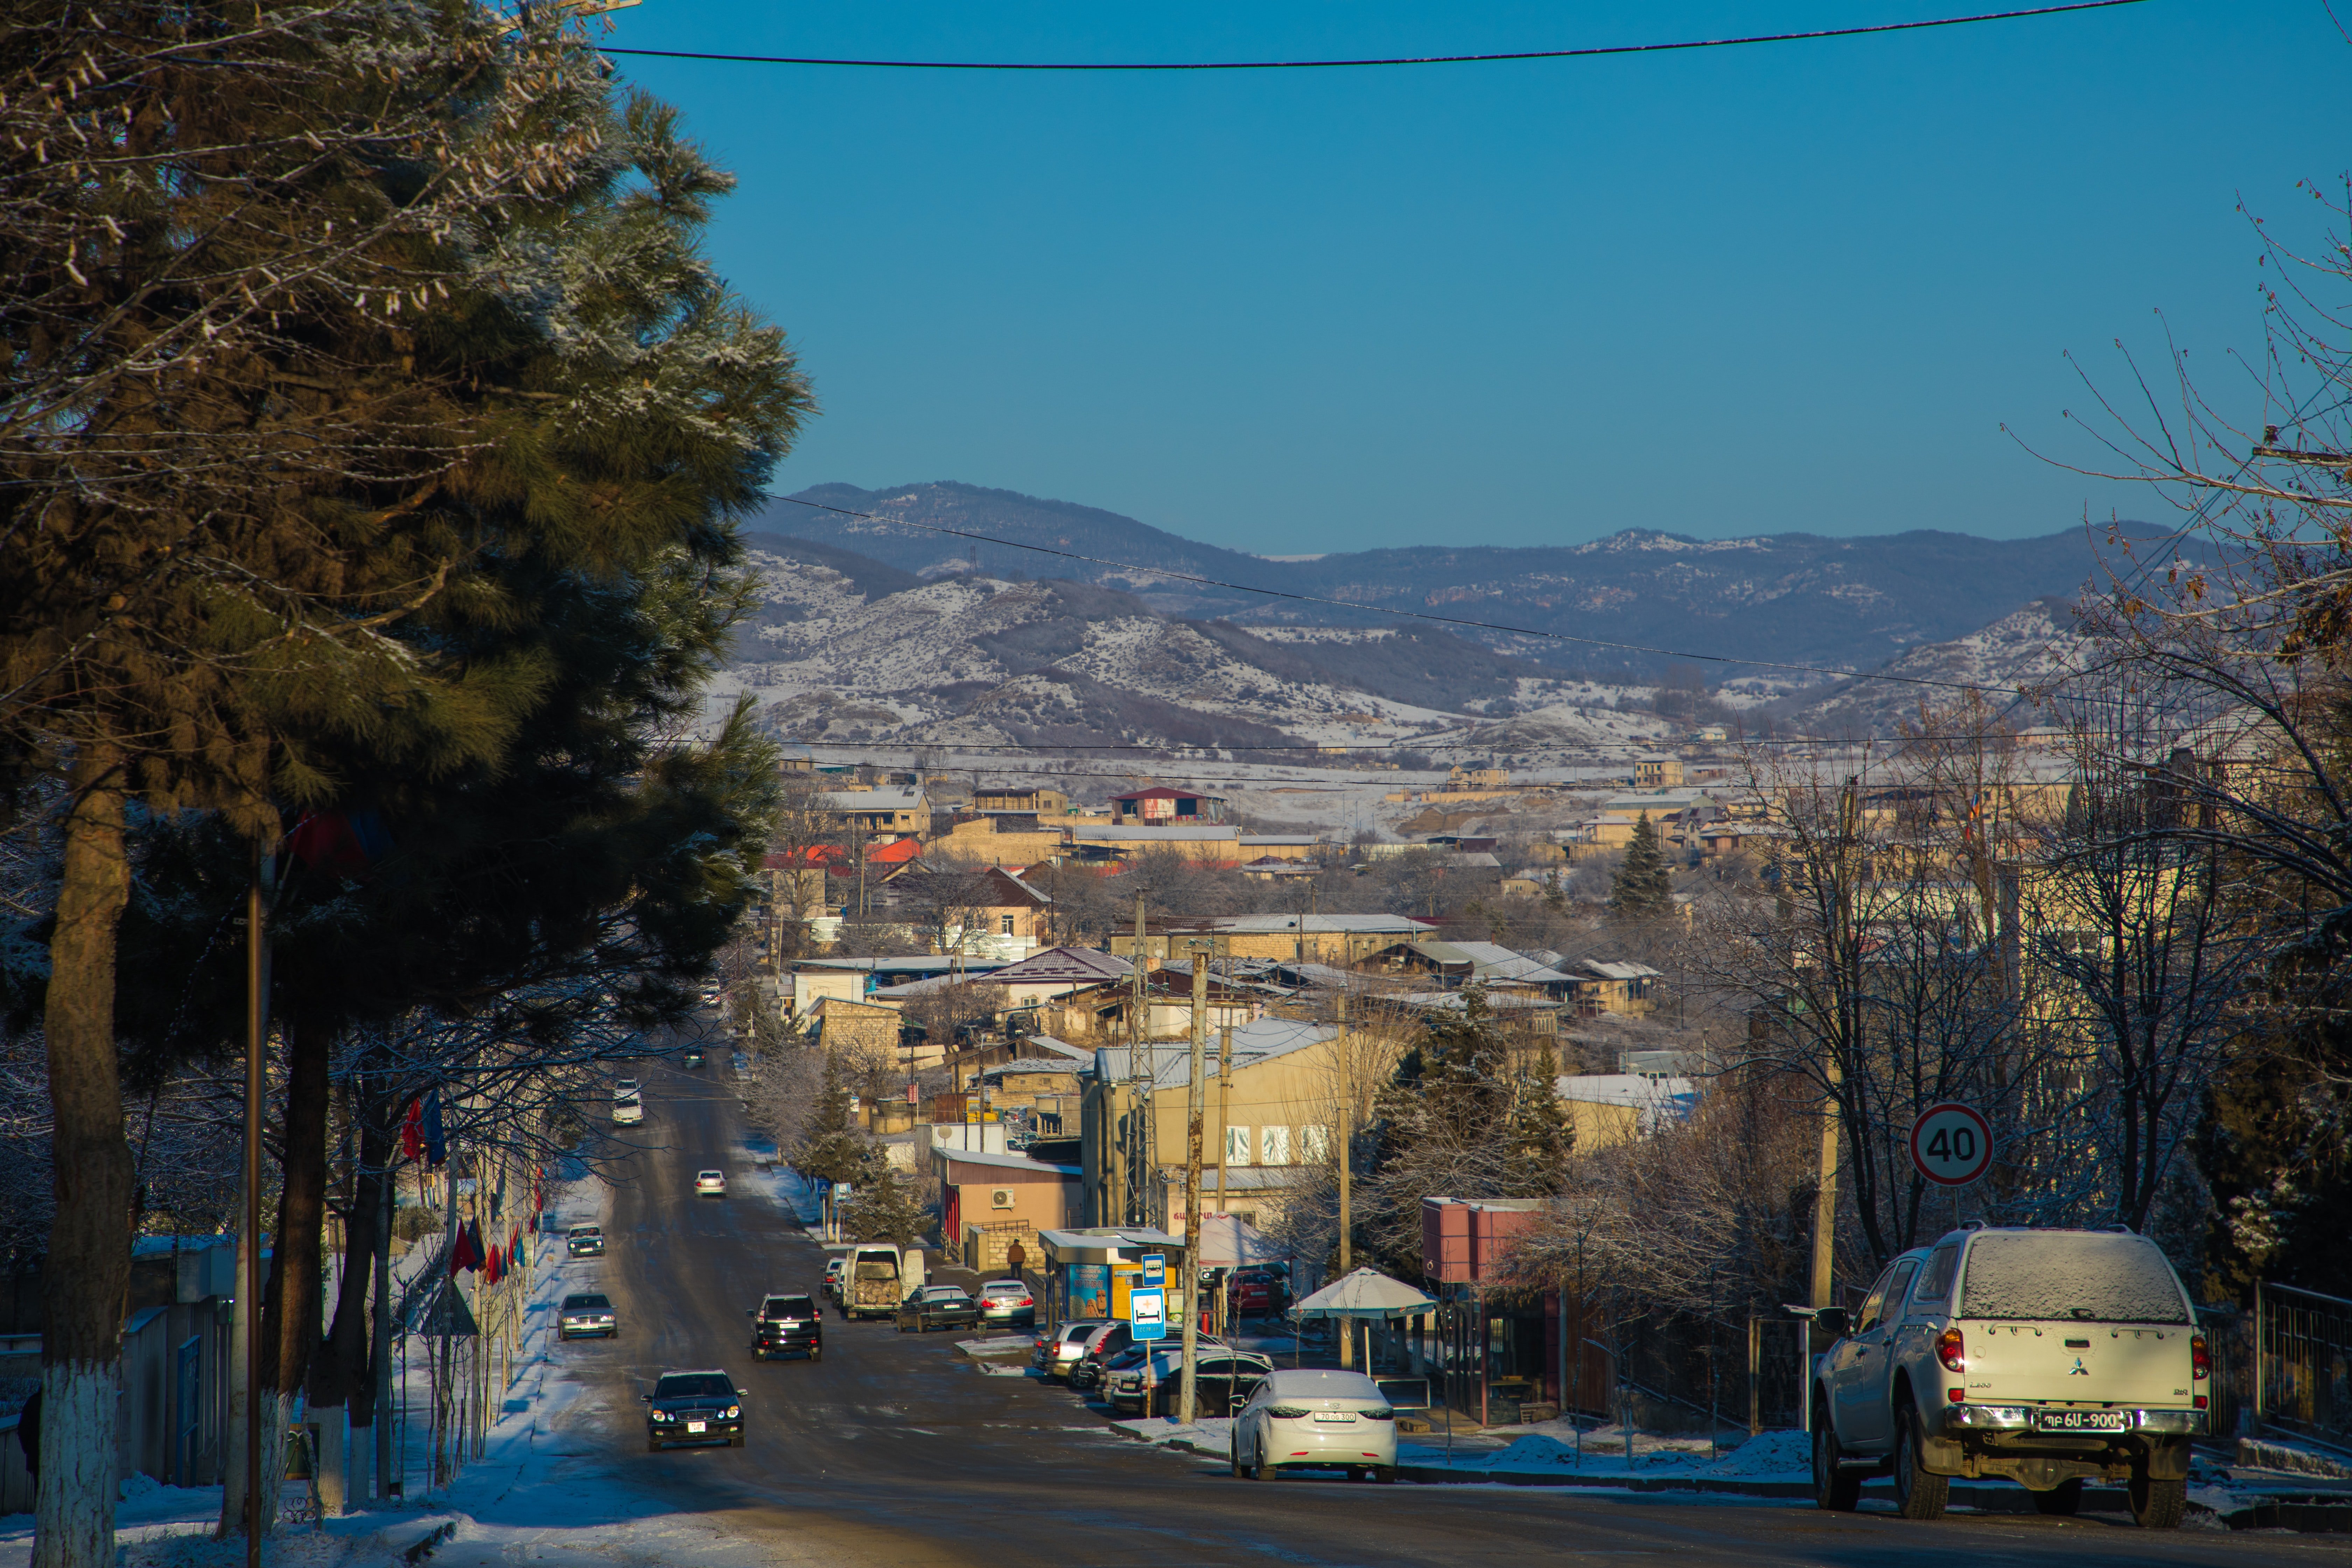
(1951, 1144)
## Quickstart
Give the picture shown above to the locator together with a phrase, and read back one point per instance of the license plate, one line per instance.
(2084, 1421)
(694, 1426)
(1333, 1416)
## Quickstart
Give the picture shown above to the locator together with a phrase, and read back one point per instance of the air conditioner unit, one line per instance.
(1000, 1197)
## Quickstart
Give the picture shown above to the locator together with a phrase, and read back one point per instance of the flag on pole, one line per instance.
(412, 1132)
(436, 1147)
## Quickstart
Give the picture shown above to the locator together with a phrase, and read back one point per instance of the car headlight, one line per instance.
(733, 1411)
(661, 1414)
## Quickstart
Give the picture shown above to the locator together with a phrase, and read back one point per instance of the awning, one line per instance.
(1105, 1243)
(1230, 1242)
(1366, 1293)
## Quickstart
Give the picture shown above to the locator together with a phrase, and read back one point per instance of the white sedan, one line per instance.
(714, 1182)
(1303, 1418)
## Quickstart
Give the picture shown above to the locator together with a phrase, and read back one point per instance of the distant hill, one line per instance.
(1780, 598)
(2020, 649)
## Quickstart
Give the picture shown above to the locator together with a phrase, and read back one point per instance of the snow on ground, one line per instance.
(998, 1345)
(778, 1183)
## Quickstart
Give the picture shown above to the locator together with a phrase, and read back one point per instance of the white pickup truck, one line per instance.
(2050, 1357)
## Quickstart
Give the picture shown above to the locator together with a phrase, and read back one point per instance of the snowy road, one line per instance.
(893, 1450)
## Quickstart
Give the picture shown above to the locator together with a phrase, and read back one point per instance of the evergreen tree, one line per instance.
(832, 1148)
(1643, 889)
(884, 1208)
(1540, 1123)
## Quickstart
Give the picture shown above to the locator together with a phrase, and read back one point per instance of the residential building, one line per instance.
(1320, 938)
(1608, 1108)
(1003, 837)
(865, 1028)
(887, 812)
(1477, 778)
(1105, 844)
(986, 911)
(1657, 772)
(1162, 807)
(989, 1201)
(1030, 800)
(1275, 1118)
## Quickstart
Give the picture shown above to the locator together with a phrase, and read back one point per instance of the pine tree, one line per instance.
(1540, 1123)
(1644, 888)
(884, 1208)
(832, 1148)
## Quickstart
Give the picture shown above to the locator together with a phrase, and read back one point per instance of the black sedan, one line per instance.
(787, 1325)
(938, 1306)
(585, 1241)
(694, 1408)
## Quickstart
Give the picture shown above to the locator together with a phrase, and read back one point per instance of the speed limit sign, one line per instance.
(1951, 1144)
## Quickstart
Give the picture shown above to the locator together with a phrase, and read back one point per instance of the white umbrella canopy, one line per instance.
(1228, 1241)
(1366, 1293)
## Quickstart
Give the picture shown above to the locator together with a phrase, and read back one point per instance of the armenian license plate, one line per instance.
(2085, 1420)
(696, 1426)
(1334, 1416)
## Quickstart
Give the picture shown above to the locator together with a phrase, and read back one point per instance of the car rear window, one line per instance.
(2044, 1275)
(791, 1307)
(1003, 1288)
(589, 1303)
(694, 1385)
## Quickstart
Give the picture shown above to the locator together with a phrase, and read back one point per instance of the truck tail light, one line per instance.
(1951, 1350)
(2200, 1359)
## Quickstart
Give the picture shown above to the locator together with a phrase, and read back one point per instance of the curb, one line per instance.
(423, 1549)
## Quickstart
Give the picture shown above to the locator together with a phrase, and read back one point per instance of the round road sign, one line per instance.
(1951, 1144)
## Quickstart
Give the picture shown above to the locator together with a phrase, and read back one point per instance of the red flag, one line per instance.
(492, 1268)
(411, 1130)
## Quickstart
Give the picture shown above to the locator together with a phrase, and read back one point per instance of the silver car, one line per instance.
(586, 1314)
(1058, 1349)
(1007, 1303)
(1315, 1418)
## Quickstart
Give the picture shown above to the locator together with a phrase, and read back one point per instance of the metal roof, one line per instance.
(1065, 965)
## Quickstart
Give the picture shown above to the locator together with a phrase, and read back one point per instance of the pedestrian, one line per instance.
(1015, 1257)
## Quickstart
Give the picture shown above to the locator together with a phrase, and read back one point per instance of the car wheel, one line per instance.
(2062, 1501)
(736, 1441)
(1918, 1493)
(653, 1444)
(816, 1353)
(1355, 1474)
(759, 1354)
(1385, 1475)
(1835, 1488)
(2157, 1505)
(1267, 1470)
(1239, 1473)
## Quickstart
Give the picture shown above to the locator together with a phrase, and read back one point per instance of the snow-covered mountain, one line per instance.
(846, 650)
(2022, 650)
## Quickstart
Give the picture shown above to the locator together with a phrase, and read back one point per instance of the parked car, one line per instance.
(2053, 1357)
(938, 1306)
(585, 1241)
(742, 1064)
(1105, 1343)
(1007, 1303)
(712, 1183)
(585, 1315)
(1058, 1350)
(694, 1408)
(833, 1267)
(1315, 1418)
(787, 1325)
(1154, 1383)
(1257, 1292)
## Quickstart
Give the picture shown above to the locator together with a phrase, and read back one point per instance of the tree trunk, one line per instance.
(289, 1304)
(86, 1275)
(339, 1376)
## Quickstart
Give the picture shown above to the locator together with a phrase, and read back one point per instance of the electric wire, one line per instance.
(1591, 52)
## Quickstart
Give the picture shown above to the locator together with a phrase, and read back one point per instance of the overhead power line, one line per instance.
(1594, 51)
(1404, 615)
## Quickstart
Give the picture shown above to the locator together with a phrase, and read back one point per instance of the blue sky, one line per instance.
(1789, 286)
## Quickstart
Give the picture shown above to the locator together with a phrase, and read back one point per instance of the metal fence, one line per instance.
(2303, 1362)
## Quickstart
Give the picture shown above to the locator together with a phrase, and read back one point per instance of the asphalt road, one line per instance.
(893, 1450)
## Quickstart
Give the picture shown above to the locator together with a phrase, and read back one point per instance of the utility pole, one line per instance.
(1195, 1110)
(1840, 943)
(1224, 1134)
(1347, 1212)
(1143, 1146)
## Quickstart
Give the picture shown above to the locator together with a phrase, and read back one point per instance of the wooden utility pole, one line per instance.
(1195, 1113)
(256, 1035)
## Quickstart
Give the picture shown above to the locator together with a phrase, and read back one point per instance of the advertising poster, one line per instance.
(1090, 1290)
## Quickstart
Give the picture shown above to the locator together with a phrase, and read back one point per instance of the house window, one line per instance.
(1314, 1145)
(1237, 1146)
(1008, 925)
(1273, 1145)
